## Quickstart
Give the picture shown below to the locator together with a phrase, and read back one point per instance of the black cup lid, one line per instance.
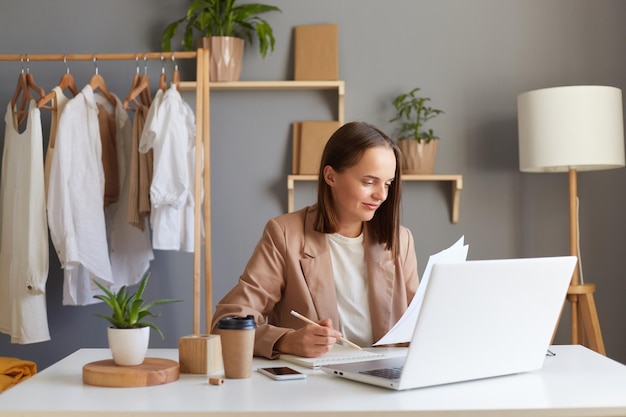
(237, 323)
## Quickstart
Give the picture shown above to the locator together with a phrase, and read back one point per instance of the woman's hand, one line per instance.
(309, 341)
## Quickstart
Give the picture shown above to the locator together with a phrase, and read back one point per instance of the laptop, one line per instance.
(478, 319)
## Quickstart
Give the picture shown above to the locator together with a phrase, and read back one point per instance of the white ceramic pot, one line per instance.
(128, 346)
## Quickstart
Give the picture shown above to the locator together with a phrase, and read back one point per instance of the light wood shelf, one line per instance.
(338, 85)
(455, 179)
(270, 85)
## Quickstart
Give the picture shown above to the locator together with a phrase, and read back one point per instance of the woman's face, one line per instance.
(358, 191)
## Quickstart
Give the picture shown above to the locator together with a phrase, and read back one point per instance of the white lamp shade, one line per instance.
(579, 127)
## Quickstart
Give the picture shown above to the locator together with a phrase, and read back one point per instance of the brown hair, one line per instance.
(344, 149)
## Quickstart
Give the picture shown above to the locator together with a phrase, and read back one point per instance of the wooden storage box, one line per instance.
(316, 52)
(309, 139)
(200, 354)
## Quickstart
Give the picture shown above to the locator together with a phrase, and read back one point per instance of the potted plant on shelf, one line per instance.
(418, 146)
(224, 26)
(129, 333)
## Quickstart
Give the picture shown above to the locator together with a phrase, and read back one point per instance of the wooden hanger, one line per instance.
(25, 82)
(67, 82)
(140, 88)
(175, 74)
(97, 82)
(162, 79)
(21, 90)
(146, 97)
(133, 85)
(30, 80)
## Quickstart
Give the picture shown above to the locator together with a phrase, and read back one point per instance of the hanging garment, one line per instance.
(189, 214)
(121, 253)
(130, 249)
(140, 174)
(60, 99)
(75, 201)
(146, 164)
(170, 132)
(24, 257)
(107, 124)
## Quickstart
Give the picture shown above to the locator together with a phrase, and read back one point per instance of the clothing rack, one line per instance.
(101, 57)
(202, 142)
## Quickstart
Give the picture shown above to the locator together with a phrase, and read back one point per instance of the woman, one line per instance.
(345, 262)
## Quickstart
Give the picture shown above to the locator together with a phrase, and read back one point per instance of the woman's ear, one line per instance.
(329, 175)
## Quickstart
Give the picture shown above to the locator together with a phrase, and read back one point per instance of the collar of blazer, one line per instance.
(316, 244)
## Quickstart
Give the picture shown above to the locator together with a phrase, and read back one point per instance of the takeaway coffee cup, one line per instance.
(237, 337)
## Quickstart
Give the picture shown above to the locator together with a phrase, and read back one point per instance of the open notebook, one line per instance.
(338, 354)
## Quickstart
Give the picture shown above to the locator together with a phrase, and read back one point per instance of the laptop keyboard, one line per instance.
(387, 373)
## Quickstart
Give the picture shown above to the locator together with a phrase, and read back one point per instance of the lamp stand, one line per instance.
(580, 296)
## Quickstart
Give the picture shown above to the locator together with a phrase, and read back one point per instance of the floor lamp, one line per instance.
(571, 129)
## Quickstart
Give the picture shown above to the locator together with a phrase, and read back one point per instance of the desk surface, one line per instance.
(575, 382)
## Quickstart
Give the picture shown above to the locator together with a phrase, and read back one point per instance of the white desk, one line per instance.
(576, 382)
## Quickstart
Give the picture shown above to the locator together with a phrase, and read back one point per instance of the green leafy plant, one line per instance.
(223, 18)
(413, 112)
(129, 310)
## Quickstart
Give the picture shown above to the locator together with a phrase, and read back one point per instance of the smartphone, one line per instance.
(282, 373)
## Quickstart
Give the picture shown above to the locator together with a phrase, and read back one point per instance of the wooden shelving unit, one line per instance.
(455, 179)
(279, 85)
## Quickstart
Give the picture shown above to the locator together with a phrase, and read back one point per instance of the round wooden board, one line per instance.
(153, 371)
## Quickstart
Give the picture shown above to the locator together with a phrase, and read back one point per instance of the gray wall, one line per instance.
(471, 57)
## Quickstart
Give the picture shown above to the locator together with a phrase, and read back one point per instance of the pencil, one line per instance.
(346, 341)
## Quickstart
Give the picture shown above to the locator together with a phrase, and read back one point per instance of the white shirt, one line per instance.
(23, 232)
(170, 131)
(348, 259)
(75, 200)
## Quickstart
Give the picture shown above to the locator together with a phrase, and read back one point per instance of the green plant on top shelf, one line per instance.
(223, 18)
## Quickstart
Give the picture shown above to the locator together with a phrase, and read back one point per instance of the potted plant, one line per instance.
(224, 26)
(129, 333)
(418, 145)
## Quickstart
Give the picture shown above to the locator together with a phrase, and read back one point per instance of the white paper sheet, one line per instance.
(402, 331)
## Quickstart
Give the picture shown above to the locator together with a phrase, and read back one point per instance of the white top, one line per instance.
(575, 382)
(24, 252)
(348, 259)
(75, 200)
(170, 131)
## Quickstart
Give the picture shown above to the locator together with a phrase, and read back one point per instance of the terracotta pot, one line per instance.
(418, 157)
(128, 346)
(226, 57)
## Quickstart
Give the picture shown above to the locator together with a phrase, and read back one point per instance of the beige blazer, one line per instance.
(290, 269)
